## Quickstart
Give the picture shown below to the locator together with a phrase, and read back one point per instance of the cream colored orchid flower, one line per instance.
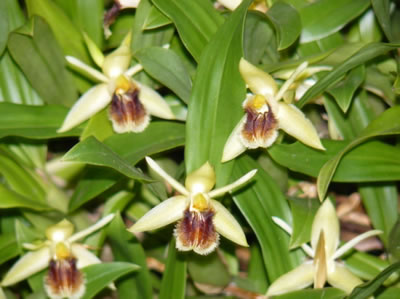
(62, 254)
(266, 113)
(131, 102)
(323, 252)
(113, 12)
(201, 218)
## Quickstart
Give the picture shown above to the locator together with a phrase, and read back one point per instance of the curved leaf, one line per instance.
(11, 199)
(196, 22)
(388, 123)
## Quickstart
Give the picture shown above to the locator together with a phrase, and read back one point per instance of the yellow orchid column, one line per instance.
(201, 218)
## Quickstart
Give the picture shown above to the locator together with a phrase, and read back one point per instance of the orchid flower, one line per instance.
(64, 257)
(323, 252)
(113, 12)
(201, 218)
(265, 114)
(131, 102)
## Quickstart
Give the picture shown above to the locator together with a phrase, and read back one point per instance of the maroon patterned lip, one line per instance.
(112, 14)
(126, 109)
(196, 231)
(259, 126)
(64, 279)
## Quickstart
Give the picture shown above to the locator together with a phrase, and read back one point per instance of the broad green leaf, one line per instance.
(380, 84)
(367, 289)
(125, 247)
(155, 19)
(388, 123)
(38, 122)
(142, 38)
(258, 202)
(393, 242)
(92, 184)
(99, 126)
(325, 293)
(344, 91)
(380, 201)
(324, 17)
(218, 92)
(369, 162)
(254, 47)
(92, 151)
(196, 22)
(64, 30)
(366, 53)
(257, 272)
(52, 82)
(389, 293)
(8, 247)
(11, 199)
(303, 211)
(158, 137)
(173, 282)
(99, 276)
(4, 27)
(287, 23)
(364, 265)
(168, 68)
(382, 12)
(202, 270)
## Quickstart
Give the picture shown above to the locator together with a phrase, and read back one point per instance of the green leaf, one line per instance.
(325, 293)
(173, 283)
(4, 28)
(367, 289)
(369, 162)
(196, 22)
(8, 247)
(11, 199)
(380, 201)
(167, 67)
(257, 273)
(99, 276)
(64, 30)
(303, 211)
(45, 64)
(366, 53)
(287, 23)
(344, 91)
(324, 17)
(92, 184)
(125, 247)
(258, 202)
(394, 241)
(218, 91)
(158, 137)
(382, 12)
(388, 123)
(92, 151)
(364, 265)
(37, 122)
(155, 19)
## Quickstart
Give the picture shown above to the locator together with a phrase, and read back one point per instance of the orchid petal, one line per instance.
(91, 102)
(118, 61)
(27, 265)
(236, 184)
(80, 235)
(308, 72)
(290, 81)
(133, 70)
(258, 81)
(154, 103)
(234, 146)
(286, 227)
(299, 278)
(346, 247)
(230, 4)
(326, 220)
(94, 51)
(293, 121)
(162, 214)
(2, 295)
(174, 183)
(343, 279)
(201, 180)
(87, 70)
(128, 3)
(84, 256)
(226, 224)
